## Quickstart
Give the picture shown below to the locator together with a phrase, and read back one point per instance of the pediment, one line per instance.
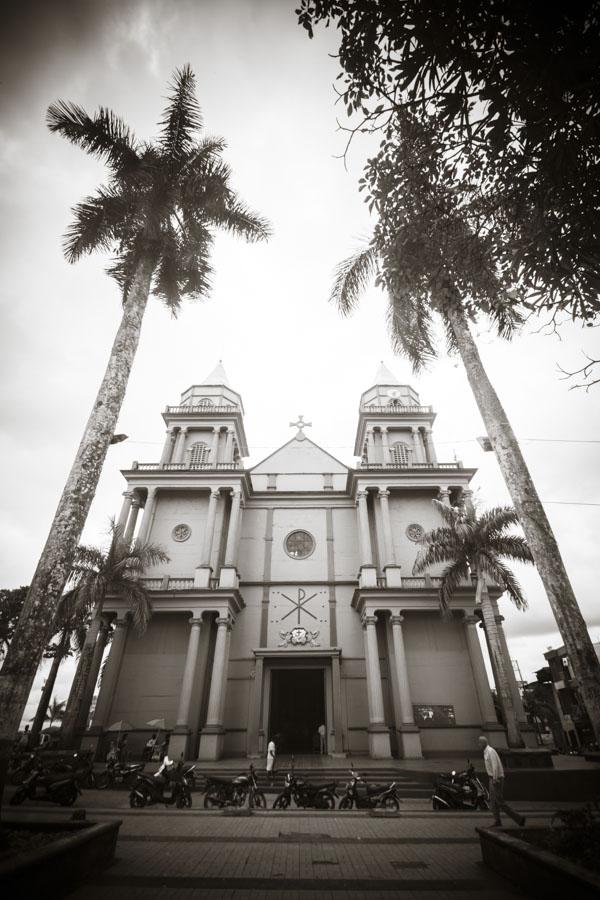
(299, 456)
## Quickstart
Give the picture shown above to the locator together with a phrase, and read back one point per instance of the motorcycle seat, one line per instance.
(219, 782)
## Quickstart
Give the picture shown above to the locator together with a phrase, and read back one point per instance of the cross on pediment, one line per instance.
(300, 424)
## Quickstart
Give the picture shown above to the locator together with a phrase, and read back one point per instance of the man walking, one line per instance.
(495, 770)
(322, 732)
(271, 751)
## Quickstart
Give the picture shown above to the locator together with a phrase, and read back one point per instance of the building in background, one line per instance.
(289, 599)
(571, 711)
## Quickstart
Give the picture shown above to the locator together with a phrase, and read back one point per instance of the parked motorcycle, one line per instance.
(50, 787)
(150, 789)
(360, 795)
(115, 773)
(305, 795)
(21, 766)
(222, 792)
(460, 790)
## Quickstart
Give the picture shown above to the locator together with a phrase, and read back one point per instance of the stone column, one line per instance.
(149, 508)
(124, 514)
(338, 718)
(410, 737)
(482, 687)
(510, 674)
(369, 445)
(385, 447)
(131, 522)
(203, 571)
(228, 575)
(256, 689)
(229, 446)
(180, 446)
(368, 573)
(214, 453)
(167, 454)
(110, 677)
(416, 438)
(379, 737)
(211, 740)
(429, 447)
(444, 495)
(466, 498)
(178, 745)
(392, 571)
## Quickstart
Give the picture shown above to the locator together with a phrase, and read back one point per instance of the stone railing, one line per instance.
(410, 465)
(208, 410)
(400, 409)
(184, 466)
(174, 583)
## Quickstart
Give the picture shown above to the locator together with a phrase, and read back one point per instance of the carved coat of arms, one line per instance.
(299, 637)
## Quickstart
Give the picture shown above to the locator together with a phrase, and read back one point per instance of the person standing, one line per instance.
(495, 770)
(322, 745)
(271, 752)
(123, 749)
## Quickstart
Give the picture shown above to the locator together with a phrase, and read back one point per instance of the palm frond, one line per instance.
(497, 519)
(237, 218)
(439, 547)
(167, 274)
(352, 276)
(410, 326)
(96, 224)
(140, 606)
(182, 118)
(452, 577)
(512, 546)
(502, 575)
(105, 136)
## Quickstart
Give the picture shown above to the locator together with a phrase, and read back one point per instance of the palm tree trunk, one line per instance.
(536, 526)
(513, 735)
(80, 682)
(37, 616)
(87, 693)
(48, 688)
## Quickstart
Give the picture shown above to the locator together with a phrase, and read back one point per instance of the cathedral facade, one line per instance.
(289, 600)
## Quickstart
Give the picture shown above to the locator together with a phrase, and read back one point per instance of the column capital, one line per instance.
(499, 619)
(384, 492)
(471, 620)
(151, 492)
(136, 502)
(444, 492)
(414, 429)
(216, 429)
(128, 493)
(236, 492)
(397, 619)
(121, 621)
(230, 430)
(215, 493)
(361, 495)
(224, 621)
(195, 621)
(368, 620)
(183, 429)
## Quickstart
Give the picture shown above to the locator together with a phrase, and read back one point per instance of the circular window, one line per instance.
(181, 532)
(299, 544)
(415, 532)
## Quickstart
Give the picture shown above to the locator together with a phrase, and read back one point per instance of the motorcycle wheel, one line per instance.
(68, 797)
(326, 801)
(18, 797)
(90, 780)
(259, 801)
(389, 803)
(212, 802)
(345, 803)
(136, 801)
(281, 802)
(184, 801)
(102, 780)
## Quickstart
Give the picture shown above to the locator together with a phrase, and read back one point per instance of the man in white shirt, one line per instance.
(495, 770)
(271, 761)
(322, 732)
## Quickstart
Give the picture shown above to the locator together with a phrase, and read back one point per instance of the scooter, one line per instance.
(21, 765)
(360, 795)
(115, 773)
(149, 789)
(221, 792)
(305, 795)
(50, 787)
(460, 790)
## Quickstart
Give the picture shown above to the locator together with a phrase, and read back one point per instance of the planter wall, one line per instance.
(54, 870)
(536, 872)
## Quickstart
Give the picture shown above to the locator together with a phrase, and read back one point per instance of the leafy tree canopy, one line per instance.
(11, 603)
(514, 92)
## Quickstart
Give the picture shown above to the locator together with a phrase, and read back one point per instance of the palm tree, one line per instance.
(435, 264)
(158, 213)
(56, 711)
(97, 573)
(475, 546)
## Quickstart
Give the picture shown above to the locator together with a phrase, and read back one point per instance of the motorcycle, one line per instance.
(221, 792)
(115, 773)
(305, 795)
(149, 789)
(460, 790)
(21, 765)
(360, 795)
(50, 787)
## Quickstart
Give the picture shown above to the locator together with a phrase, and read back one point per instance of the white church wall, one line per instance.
(354, 698)
(349, 630)
(251, 553)
(300, 481)
(179, 508)
(245, 634)
(289, 519)
(407, 508)
(345, 542)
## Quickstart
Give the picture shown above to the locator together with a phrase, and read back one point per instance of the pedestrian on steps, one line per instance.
(271, 753)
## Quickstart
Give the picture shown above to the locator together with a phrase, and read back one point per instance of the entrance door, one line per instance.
(297, 709)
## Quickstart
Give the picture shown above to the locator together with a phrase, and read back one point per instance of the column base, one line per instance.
(379, 742)
(367, 577)
(211, 742)
(179, 743)
(202, 577)
(393, 579)
(529, 735)
(409, 737)
(229, 578)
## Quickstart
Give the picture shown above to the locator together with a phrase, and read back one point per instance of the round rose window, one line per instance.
(299, 544)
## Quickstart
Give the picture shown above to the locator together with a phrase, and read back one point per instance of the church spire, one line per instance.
(383, 376)
(218, 376)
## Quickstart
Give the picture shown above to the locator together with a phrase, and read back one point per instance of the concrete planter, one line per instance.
(54, 870)
(537, 872)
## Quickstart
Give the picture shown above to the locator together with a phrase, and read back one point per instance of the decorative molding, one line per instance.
(181, 533)
(415, 532)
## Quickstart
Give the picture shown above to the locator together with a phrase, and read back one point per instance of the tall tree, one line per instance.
(475, 545)
(97, 573)
(55, 712)
(158, 213)
(437, 263)
(11, 604)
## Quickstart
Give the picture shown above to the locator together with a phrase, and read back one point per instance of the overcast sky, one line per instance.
(268, 90)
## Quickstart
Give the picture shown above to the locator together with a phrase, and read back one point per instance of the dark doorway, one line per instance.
(297, 709)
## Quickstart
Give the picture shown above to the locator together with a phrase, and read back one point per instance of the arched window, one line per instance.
(400, 453)
(204, 401)
(198, 454)
(395, 403)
